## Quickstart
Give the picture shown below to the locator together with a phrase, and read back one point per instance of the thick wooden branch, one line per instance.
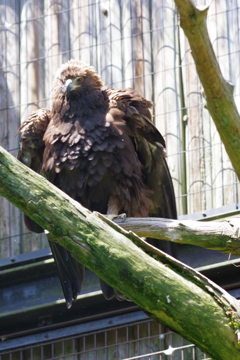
(218, 92)
(167, 290)
(223, 236)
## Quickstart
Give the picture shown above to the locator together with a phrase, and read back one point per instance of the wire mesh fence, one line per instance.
(131, 44)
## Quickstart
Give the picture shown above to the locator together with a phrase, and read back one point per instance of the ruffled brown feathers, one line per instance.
(74, 69)
(99, 146)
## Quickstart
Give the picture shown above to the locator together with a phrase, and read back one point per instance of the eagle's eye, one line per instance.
(79, 79)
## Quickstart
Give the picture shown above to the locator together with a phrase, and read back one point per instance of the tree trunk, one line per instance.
(167, 290)
(218, 92)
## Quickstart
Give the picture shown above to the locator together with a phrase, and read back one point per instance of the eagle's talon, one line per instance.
(121, 217)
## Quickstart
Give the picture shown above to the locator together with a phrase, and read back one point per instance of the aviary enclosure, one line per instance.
(135, 44)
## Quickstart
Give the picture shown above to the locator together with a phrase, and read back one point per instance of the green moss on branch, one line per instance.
(167, 290)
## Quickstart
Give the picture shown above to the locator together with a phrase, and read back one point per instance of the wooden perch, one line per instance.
(167, 290)
(217, 91)
(223, 236)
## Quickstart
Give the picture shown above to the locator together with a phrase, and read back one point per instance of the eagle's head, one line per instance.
(76, 78)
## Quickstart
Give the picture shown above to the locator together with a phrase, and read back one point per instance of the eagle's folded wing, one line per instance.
(31, 151)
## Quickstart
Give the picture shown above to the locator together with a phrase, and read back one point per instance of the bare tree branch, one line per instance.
(223, 236)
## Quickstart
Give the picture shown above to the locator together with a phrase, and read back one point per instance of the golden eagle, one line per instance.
(99, 146)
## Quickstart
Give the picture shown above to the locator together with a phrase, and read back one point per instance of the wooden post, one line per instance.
(167, 114)
(10, 217)
(32, 76)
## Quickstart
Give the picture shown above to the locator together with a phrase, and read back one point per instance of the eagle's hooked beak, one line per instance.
(71, 85)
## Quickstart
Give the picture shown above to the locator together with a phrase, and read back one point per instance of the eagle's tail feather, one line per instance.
(71, 273)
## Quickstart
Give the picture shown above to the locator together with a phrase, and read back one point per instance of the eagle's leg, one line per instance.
(114, 208)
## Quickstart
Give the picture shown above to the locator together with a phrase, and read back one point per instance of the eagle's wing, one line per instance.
(32, 147)
(31, 151)
(150, 148)
(31, 144)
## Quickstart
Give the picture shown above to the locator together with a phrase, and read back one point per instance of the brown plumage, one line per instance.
(99, 146)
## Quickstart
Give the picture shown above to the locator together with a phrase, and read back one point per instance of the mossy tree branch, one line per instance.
(218, 92)
(167, 290)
